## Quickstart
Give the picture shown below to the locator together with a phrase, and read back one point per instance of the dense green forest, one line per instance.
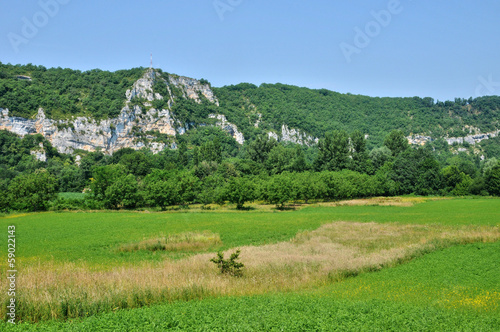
(64, 93)
(208, 165)
(319, 111)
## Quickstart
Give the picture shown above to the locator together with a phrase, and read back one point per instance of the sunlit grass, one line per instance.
(81, 264)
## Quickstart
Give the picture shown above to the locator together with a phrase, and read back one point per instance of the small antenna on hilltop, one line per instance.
(151, 65)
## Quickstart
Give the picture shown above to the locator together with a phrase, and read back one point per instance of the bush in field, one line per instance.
(229, 266)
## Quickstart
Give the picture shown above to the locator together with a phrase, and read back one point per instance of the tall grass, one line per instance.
(55, 290)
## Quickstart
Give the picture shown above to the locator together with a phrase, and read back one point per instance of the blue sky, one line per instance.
(442, 49)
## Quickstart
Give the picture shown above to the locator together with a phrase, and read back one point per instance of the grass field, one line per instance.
(73, 265)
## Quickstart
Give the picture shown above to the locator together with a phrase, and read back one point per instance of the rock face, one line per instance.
(192, 88)
(130, 128)
(39, 153)
(229, 127)
(293, 136)
(471, 139)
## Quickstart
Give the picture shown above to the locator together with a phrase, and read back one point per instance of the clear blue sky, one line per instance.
(442, 49)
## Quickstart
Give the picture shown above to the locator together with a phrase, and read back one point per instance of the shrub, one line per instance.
(229, 266)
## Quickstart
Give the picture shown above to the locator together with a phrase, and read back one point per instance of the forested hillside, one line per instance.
(362, 149)
(64, 93)
(319, 111)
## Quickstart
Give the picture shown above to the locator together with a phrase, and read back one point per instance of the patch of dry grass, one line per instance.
(330, 253)
(383, 201)
(189, 241)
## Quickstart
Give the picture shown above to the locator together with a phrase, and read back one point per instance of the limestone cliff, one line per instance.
(293, 135)
(130, 129)
(471, 139)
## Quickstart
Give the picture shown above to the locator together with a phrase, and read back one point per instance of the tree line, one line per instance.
(210, 167)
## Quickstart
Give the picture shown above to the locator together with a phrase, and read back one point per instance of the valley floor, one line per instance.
(318, 268)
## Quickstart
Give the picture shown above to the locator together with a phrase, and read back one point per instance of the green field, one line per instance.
(305, 270)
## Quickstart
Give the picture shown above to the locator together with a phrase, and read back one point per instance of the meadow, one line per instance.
(403, 263)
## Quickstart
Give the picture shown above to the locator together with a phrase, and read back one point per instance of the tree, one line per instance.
(182, 157)
(359, 155)
(309, 186)
(492, 180)
(160, 189)
(259, 149)
(429, 180)
(136, 163)
(229, 266)
(280, 189)
(299, 163)
(71, 179)
(104, 177)
(239, 191)
(379, 156)
(123, 192)
(32, 192)
(333, 151)
(456, 181)
(279, 159)
(396, 142)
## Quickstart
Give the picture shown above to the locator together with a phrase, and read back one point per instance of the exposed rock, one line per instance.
(229, 127)
(39, 153)
(143, 88)
(113, 134)
(192, 88)
(471, 139)
(272, 134)
(294, 136)
(256, 124)
(418, 139)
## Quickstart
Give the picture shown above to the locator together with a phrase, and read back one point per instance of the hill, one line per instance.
(92, 103)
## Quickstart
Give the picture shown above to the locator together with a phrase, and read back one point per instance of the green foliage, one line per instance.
(396, 142)
(32, 192)
(229, 266)
(492, 180)
(457, 182)
(333, 152)
(103, 178)
(136, 163)
(259, 149)
(280, 190)
(122, 193)
(317, 112)
(64, 93)
(240, 190)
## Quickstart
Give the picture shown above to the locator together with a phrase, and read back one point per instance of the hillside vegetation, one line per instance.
(209, 167)
(63, 93)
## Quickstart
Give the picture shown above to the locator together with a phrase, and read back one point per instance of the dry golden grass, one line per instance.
(54, 291)
(383, 201)
(189, 241)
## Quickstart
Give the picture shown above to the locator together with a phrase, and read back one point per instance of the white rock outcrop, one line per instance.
(229, 127)
(110, 135)
(294, 136)
(471, 139)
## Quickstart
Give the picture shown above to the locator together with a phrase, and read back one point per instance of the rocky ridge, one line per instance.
(110, 135)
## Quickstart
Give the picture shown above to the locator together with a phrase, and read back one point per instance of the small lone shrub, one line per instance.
(229, 266)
